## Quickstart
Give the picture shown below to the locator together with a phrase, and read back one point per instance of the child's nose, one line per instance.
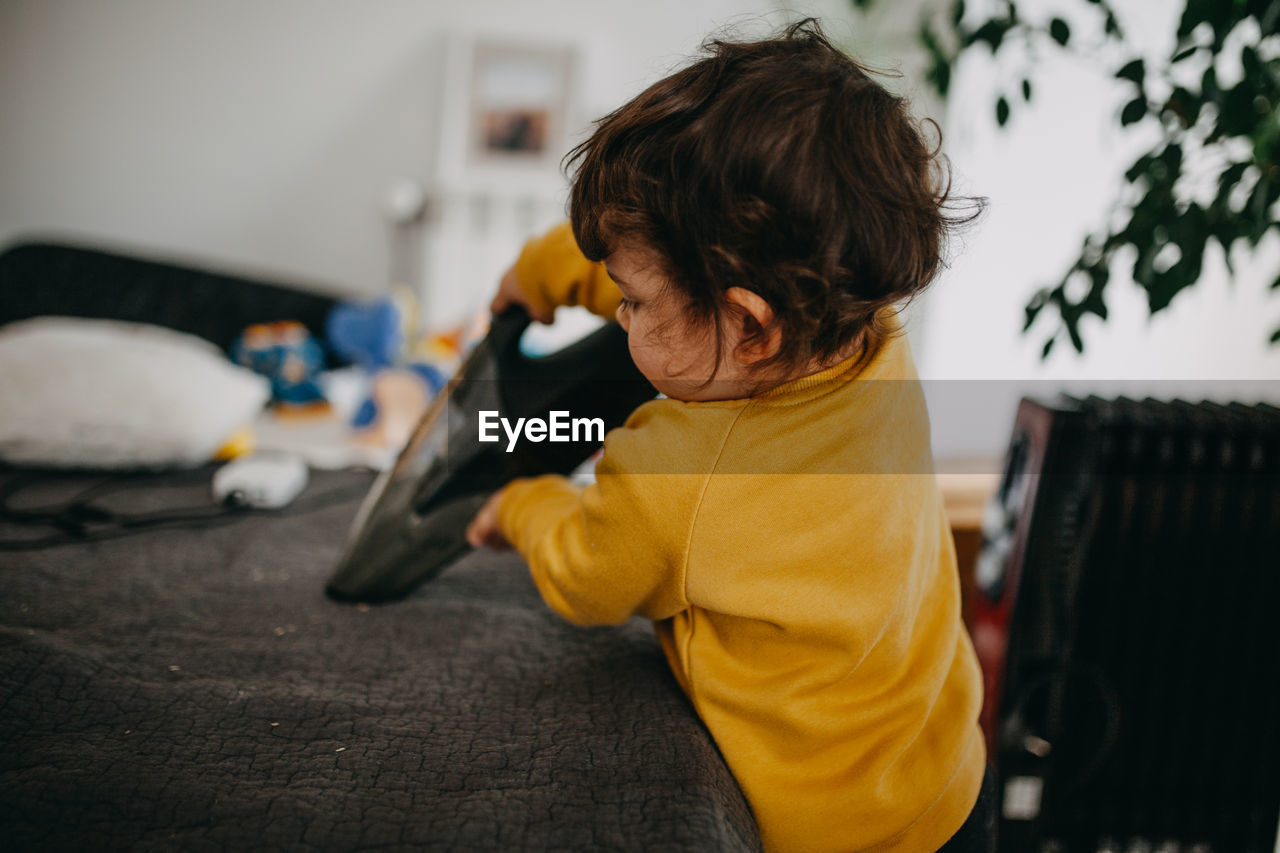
(621, 316)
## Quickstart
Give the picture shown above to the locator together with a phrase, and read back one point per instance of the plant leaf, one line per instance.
(1135, 70)
(1073, 331)
(1184, 106)
(940, 75)
(1139, 168)
(1133, 112)
(1026, 90)
(939, 72)
(1002, 111)
(1270, 18)
(1237, 114)
(1209, 85)
(1034, 306)
(992, 32)
(1251, 62)
(1059, 31)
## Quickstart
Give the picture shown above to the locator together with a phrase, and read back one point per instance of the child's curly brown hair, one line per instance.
(782, 167)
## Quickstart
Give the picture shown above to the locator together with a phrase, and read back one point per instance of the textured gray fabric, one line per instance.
(193, 689)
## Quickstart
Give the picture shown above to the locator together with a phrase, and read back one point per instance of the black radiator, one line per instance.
(1128, 621)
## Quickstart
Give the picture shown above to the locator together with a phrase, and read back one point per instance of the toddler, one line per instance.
(753, 220)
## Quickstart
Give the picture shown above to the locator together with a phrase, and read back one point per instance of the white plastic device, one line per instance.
(263, 481)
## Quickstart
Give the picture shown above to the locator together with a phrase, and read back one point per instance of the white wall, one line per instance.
(263, 135)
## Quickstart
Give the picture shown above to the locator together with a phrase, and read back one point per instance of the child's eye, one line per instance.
(626, 304)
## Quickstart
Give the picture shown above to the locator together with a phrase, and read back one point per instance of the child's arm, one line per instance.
(619, 547)
(594, 557)
(550, 272)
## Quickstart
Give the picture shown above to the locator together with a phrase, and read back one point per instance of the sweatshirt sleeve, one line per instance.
(619, 547)
(553, 272)
(588, 551)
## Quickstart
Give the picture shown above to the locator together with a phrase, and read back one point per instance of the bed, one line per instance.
(187, 685)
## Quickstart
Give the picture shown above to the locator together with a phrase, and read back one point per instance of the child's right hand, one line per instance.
(484, 530)
(510, 293)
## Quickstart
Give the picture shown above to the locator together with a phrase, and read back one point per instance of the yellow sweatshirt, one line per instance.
(794, 555)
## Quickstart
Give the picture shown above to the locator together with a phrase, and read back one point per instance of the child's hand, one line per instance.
(509, 293)
(484, 530)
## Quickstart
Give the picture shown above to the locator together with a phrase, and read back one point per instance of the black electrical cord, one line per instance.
(79, 521)
(53, 513)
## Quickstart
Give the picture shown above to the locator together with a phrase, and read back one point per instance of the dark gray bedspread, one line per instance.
(193, 689)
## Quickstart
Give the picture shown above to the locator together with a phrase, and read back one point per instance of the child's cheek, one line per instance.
(643, 353)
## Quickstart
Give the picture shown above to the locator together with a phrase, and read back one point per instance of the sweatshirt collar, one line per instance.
(883, 364)
(813, 380)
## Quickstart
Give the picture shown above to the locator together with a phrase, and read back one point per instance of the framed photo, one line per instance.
(505, 112)
(508, 113)
(519, 104)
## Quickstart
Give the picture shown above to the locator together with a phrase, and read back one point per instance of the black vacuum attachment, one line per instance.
(413, 522)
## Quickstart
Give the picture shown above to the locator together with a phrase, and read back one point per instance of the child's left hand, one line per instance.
(484, 529)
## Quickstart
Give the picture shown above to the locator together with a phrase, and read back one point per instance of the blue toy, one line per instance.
(287, 354)
(378, 336)
(369, 334)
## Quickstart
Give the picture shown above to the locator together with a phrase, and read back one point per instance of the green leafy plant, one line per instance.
(1212, 176)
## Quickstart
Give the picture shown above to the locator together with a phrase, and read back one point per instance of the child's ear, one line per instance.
(750, 325)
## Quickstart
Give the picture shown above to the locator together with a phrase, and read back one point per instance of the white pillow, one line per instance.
(78, 393)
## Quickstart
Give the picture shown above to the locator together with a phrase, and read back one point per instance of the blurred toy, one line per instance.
(287, 354)
(370, 334)
(397, 402)
(406, 370)
(437, 356)
(241, 443)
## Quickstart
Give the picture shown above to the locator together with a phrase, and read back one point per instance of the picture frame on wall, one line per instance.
(508, 113)
(504, 113)
(519, 104)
